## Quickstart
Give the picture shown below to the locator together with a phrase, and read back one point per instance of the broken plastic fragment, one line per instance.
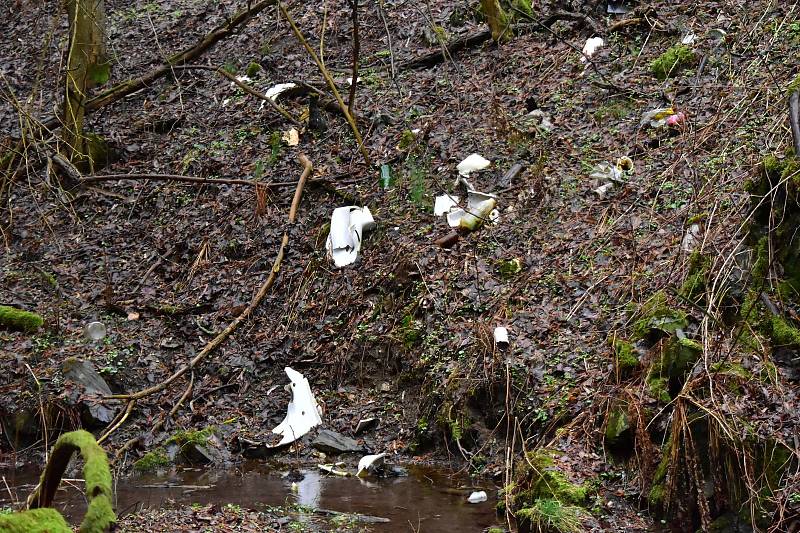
(275, 91)
(477, 497)
(606, 171)
(291, 137)
(472, 163)
(444, 203)
(677, 119)
(95, 330)
(656, 118)
(591, 46)
(369, 463)
(691, 238)
(303, 412)
(331, 469)
(479, 208)
(501, 336)
(602, 190)
(689, 38)
(347, 229)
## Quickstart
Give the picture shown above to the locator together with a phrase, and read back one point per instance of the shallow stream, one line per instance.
(428, 499)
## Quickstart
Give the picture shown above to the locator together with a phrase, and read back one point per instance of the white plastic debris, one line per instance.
(369, 463)
(95, 330)
(501, 336)
(477, 497)
(616, 172)
(472, 163)
(303, 412)
(291, 137)
(602, 190)
(617, 7)
(691, 239)
(689, 38)
(275, 91)
(479, 208)
(332, 469)
(347, 229)
(444, 203)
(591, 46)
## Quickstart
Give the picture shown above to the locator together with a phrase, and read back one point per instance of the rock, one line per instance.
(93, 388)
(618, 430)
(330, 442)
(197, 447)
(366, 424)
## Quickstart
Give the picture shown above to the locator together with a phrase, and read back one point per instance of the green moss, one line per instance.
(695, 284)
(617, 427)
(671, 62)
(406, 140)
(19, 320)
(410, 331)
(551, 515)
(509, 268)
(656, 315)
(152, 461)
(252, 69)
(783, 333)
(657, 490)
(192, 436)
(658, 389)
(793, 86)
(496, 530)
(538, 478)
(626, 356)
(44, 520)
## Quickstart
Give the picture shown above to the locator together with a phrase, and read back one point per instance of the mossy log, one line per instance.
(18, 319)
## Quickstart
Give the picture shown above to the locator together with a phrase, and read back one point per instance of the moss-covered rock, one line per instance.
(695, 284)
(618, 429)
(538, 478)
(627, 361)
(152, 461)
(34, 521)
(657, 319)
(671, 62)
(19, 320)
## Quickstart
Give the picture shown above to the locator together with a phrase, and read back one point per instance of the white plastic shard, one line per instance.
(479, 208)
(291, 137)
(472, 163)
(369, 463)
(303, 412)
(275, 91)
(501, 336)
(347, 229)
(477, 497)
(591, 46)
(444, 203)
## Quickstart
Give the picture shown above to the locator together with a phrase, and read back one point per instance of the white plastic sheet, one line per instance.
(347, 230)
(303, 412)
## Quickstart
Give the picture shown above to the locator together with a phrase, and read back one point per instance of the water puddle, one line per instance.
(432, 498)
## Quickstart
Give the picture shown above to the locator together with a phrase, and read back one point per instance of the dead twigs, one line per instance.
(329, 80)
(262, 292)
(794, 120)
(356, 50)
(186, 179)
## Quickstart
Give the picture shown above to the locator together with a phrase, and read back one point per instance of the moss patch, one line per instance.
(782, 333)
(552, 515)
(656, 317)
(627, 361)
(671, 62)
(538, 478)
(192, 436)
(695, 284)
(34, 521)
(152, 461)
(19, 320)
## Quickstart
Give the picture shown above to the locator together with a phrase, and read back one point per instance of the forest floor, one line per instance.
(405, 334)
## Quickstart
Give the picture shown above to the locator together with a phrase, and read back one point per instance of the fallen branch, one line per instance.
(262, 292)
(246, 88)
(135, 84)
(178, 177)
(329, 81)
(794, 120)
(356, 50)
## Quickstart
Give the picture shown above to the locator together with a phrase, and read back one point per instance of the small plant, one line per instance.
(671, 62)
(552, 515)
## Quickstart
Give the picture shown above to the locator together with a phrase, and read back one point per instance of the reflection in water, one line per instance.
(425, 498)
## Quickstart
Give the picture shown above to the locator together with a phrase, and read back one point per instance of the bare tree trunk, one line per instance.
(87, 67)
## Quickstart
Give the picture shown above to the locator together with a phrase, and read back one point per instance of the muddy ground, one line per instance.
(405, 334)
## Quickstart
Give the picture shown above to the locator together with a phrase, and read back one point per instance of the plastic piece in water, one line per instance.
(477, 497)
(369, 463)
(95, 330)
(303, 412)
(347, 229)
(472, 163)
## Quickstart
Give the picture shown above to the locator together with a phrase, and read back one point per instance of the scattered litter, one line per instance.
(365, 424)
(242, 79)
(347, 228)
(291, 137)
(444, 203)
(331, 469)
(95, 330)
(607, 171)
(501, 336)
(472, 163)
(386, 176)
(536, 119)
(691, 239)
(303, 412)
(663, 116)
(385, 387)
(591, 46)
(225, 102)
(133, 315)
(479, 208)
(602, 190)
(689, 38)
(276, 90)
(477, 497)
(369, 464)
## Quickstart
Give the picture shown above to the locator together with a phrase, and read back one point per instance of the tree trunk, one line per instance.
(498, 20)
(87, 67)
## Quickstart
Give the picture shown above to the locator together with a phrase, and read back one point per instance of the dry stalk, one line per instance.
(329, 80)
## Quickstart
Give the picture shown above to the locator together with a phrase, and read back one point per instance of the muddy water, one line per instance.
(432, 498)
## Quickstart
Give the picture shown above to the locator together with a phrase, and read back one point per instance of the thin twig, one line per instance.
(262, 292)
(329, 81)
(794, 120)
(187, 179)
(356, 50)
